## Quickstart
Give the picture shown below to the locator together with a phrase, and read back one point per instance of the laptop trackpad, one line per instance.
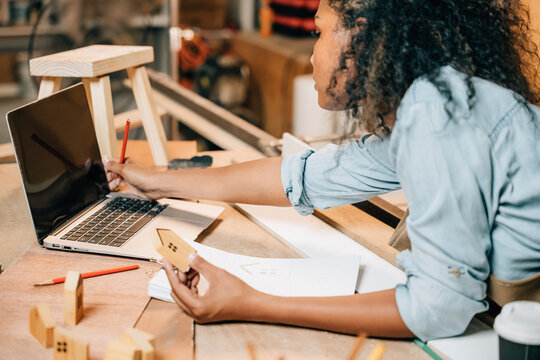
(202, 214)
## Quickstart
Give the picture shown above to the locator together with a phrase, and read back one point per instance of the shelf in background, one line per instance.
(26, 30)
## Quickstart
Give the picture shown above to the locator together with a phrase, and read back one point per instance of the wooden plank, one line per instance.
(103, 112)
(91, 61)
(201, 125)
(151, 120)
(387, 206)
(48, 86)
(206, 110)
(362, 228)
(134, 116)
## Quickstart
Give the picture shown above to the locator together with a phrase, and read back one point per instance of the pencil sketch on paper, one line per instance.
(268, 269)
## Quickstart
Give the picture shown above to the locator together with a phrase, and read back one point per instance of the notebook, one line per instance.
(71, 205)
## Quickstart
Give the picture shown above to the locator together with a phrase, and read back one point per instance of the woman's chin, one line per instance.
(331, 104)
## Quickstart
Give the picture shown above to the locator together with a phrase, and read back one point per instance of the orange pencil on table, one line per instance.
(357, 345)
(124, 146)
(89, 275)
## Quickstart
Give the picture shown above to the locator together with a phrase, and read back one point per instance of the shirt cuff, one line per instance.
(430, 309)
(292, 179)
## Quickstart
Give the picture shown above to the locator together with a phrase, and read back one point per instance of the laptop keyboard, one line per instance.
(116, 222)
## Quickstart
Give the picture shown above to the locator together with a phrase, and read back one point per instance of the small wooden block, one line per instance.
(73, 298)
(118, 350)
(173, 248)
(68, 346)
(91, 61)
(142, 340)
(146, 336)
(41, 325)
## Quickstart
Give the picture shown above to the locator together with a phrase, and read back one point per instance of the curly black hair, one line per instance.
(395, 42)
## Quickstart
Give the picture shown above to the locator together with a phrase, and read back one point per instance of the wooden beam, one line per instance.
(134, 116)
(48, 86)
(362, 228)
(140, 84)
(212, 113)
(91, 61)
(102, 110)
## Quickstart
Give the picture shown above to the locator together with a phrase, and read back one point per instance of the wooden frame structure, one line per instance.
(94, 64)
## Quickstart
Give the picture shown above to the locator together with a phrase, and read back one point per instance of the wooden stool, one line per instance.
(93, 64)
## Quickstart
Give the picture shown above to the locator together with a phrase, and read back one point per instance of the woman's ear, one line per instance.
(360, 23)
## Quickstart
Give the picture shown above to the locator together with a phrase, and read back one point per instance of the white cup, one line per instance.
(518, 327)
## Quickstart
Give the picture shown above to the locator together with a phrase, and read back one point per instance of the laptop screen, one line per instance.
(58, 157)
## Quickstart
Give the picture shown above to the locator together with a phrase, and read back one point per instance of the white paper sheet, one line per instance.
(314, 238)
(479, 342)
(328, 276)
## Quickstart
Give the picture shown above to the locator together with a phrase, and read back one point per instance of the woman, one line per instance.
(443, 87)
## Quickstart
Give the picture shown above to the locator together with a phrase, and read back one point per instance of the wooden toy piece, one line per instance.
(146, 336)
(142, 340)
(173, 248)
(73, 298)
(118, 350)
(68, 346)
(41, 324)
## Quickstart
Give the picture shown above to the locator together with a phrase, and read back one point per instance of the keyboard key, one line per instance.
(106, 240)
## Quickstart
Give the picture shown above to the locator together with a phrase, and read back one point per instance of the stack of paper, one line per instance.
(328, 276)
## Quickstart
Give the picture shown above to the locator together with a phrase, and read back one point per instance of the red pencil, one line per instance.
(124, 146)
(89, 274)
(124, 143)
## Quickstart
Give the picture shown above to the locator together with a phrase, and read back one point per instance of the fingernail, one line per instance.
(106, 159)
(192, 257)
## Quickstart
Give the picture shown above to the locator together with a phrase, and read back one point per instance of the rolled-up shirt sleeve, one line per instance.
(449, 224)
(338, 175)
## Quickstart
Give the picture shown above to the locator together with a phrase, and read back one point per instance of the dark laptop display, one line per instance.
(59, 158)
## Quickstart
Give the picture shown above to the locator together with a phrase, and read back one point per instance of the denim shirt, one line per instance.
(472, 184)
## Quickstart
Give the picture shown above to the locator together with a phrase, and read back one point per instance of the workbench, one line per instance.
(116, 302)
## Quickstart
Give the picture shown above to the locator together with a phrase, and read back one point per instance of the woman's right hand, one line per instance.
(140, 179)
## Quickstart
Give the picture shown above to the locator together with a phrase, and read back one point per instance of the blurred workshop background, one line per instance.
(248, 56)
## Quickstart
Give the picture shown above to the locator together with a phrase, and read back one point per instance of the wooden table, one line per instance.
(116, 302)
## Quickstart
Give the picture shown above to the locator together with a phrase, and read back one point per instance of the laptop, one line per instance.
(71, 205)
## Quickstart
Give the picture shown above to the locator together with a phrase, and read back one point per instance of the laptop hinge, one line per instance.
(78, 216)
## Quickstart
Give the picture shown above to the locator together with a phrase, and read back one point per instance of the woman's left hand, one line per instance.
(227, 297)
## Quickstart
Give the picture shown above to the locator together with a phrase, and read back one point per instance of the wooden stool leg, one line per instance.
(103, 112)
(48, 86)
(149, 114)
(86, 83)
